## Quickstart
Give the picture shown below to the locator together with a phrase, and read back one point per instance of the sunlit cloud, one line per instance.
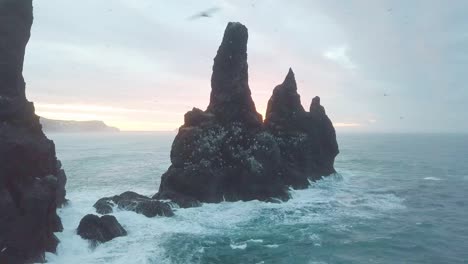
(97, 108)
(126, 119)
(86, 108)
(127, 125)
(73, 116)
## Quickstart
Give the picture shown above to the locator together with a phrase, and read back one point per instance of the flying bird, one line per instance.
(206, 13)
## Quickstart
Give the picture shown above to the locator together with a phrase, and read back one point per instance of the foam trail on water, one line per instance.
(331, 201)
(241, 246)
(432, 179)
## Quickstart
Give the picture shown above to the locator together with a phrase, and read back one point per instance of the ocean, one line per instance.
(397, 198)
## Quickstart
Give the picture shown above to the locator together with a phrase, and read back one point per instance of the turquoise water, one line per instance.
(396, 199)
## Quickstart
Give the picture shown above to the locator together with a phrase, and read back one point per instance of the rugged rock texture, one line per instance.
(307, 140)
(133, 202)
(32, 183)
(100, 230)
(230, 99)
(227, 153)
(326, 135)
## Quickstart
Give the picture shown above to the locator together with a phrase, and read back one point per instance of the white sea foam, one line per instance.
(272, 246)
(327, 202)
(255, 240)
(241, 246)
(432, 179)
(330, 202)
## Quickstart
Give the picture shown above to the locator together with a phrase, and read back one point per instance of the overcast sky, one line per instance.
(386, 66)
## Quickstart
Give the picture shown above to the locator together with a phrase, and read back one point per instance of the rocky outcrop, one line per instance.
(228, 153)
(32, 183)
(230, 99)
(132, 201)
(326, 137)
(100, 229)
(307, 140)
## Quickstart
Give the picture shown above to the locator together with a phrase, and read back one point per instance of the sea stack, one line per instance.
(307, 140)
(226, 153)
(230, 99)
(32, 183)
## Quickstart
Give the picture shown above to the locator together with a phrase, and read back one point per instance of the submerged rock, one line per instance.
(135, 202)
(226, 153)
(32, 183)
(100, 229)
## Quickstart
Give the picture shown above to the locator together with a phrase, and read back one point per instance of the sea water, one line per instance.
(397, 198)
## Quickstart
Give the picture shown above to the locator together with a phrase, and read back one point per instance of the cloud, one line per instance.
(340, 55)
(95, 108)
(122, 53)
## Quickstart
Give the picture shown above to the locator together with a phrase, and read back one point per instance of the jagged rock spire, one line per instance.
(230, 98)
(289, 82)
(285, 103)
(316, 107)
(16, 18)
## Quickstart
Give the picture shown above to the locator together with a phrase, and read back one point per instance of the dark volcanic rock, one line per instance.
(133, 202)
(32, 183)
(307, 140)
(227, 153)
(326, 137)
(101, 229)
(230, 99)
(284, 109)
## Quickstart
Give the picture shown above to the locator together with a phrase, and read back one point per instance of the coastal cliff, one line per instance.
(32, 183)
(70, 126)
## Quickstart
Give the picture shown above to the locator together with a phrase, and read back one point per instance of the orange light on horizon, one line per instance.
(346, 124)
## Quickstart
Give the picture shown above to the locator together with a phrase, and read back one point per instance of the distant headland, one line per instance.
(71, 126)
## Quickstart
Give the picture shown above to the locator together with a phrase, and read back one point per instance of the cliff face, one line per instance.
(32, 183)
(227, 153)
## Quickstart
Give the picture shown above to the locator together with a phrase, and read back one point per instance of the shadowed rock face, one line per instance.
(307, 140)
(326, 137)
(284, 107)
(227, 153)
(230, 99)
(32, 183)
(100, 229)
